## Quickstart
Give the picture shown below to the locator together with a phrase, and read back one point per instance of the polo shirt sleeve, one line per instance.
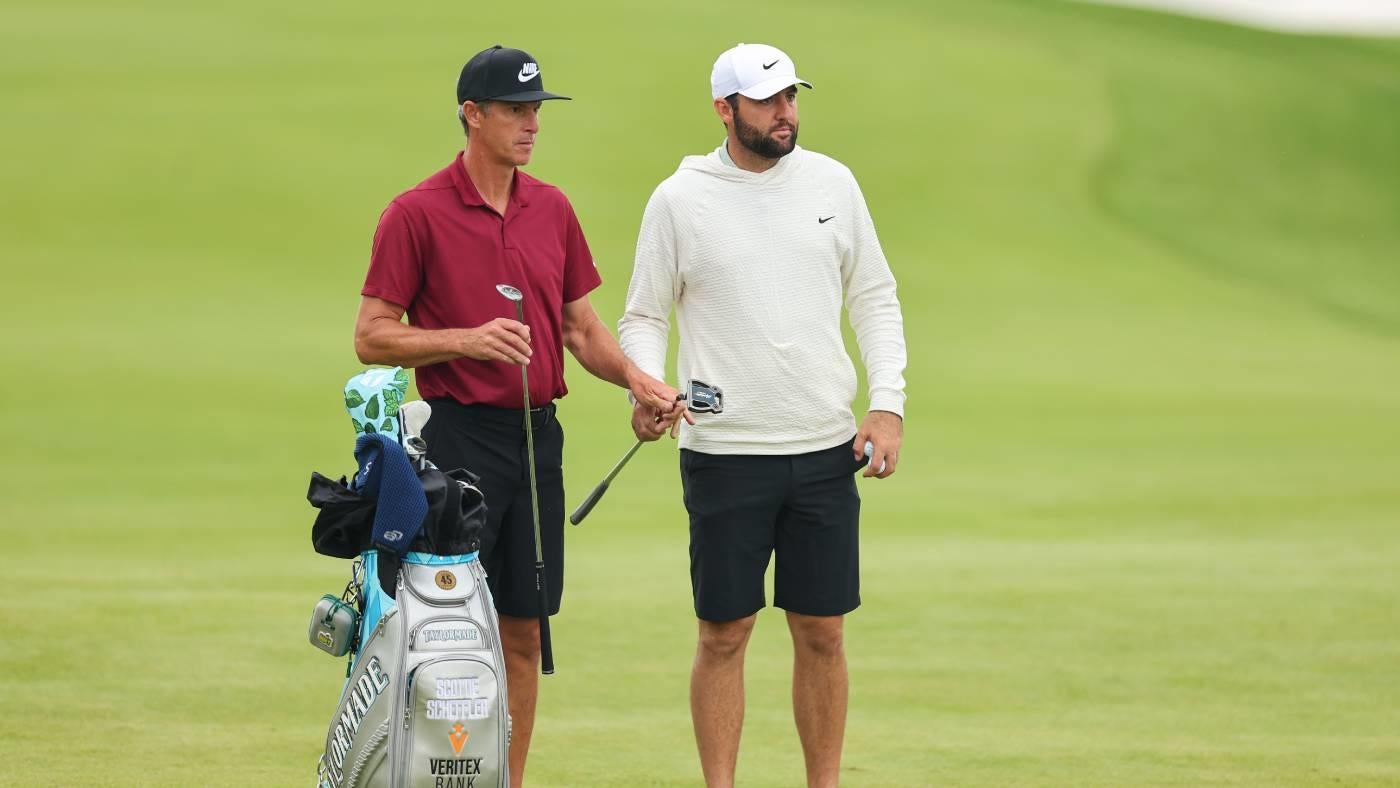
(580, 273)
(396, 259)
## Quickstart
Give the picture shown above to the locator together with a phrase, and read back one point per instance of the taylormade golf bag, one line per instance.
(425, 704)
(425, 700)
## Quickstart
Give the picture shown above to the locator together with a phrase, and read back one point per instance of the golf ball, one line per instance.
(870, 451)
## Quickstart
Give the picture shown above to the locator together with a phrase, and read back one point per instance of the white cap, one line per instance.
(754, 70)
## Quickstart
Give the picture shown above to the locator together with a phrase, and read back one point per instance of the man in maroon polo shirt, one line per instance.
(439, 252)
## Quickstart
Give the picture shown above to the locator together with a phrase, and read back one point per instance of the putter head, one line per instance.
(510, 292)
(704, 398)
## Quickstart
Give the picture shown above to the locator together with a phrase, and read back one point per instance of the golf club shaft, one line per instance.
(597, 494)
(546, 647)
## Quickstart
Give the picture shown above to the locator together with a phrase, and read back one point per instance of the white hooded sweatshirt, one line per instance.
(757, 266)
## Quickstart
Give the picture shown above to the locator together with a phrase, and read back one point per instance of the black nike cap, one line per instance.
(500, 74)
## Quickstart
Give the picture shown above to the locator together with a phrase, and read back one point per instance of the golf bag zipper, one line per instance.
(398, 754)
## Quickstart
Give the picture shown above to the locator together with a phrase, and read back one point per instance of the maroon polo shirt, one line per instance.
(440, 251)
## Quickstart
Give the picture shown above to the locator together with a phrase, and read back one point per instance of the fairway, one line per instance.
(1146, 524)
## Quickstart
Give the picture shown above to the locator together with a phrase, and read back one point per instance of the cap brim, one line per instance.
(769, 87)
(529, 95)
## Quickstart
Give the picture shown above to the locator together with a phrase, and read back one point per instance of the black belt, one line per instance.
(539, 417)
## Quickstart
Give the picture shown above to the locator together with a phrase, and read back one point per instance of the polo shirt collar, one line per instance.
(466, 190)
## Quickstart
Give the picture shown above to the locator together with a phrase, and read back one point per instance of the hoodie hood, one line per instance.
(712, 165)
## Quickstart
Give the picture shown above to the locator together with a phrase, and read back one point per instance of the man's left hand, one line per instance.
(885, 431)
(652, 393)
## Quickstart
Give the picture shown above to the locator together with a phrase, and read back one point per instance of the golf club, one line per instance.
(703, 398)
(411, 418)
(546, 647)
(593, 497)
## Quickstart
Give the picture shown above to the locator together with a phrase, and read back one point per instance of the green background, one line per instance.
(1146, 525)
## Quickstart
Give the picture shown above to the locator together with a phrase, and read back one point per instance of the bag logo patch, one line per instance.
(446, 580)
(458, 736)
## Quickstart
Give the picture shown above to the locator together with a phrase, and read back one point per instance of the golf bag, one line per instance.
(425, 700)
(425, 704)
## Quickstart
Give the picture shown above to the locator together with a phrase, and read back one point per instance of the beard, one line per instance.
(761, 144)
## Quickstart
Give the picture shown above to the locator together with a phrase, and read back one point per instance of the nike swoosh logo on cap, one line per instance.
(528, 72)
(770, 65)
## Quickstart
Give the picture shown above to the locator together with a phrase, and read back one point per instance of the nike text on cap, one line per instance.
(499, 74)
(754, 70)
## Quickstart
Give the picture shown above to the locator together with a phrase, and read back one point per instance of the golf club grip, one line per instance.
(588, 503)
(546, 644)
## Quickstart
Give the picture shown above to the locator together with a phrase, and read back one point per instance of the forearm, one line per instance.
(598, 352)
(393, 343)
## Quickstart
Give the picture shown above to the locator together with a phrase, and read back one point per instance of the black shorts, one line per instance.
(745, 508)
(490, 442)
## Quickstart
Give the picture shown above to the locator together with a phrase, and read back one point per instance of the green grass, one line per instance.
(1147, 521)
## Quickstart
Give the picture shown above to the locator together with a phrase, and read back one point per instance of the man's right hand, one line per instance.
(501, 339)
(648, 423)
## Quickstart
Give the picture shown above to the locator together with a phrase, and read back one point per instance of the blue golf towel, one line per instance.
(386, 476)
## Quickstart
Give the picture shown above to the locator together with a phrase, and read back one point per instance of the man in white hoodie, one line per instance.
(756, 245)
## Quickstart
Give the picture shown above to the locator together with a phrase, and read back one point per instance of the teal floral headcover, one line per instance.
(373, 398)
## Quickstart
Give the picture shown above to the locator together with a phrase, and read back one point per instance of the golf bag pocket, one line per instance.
(440, 585)
(459, 728)
(334, 626)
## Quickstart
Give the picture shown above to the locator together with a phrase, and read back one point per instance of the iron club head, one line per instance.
(510, 292)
